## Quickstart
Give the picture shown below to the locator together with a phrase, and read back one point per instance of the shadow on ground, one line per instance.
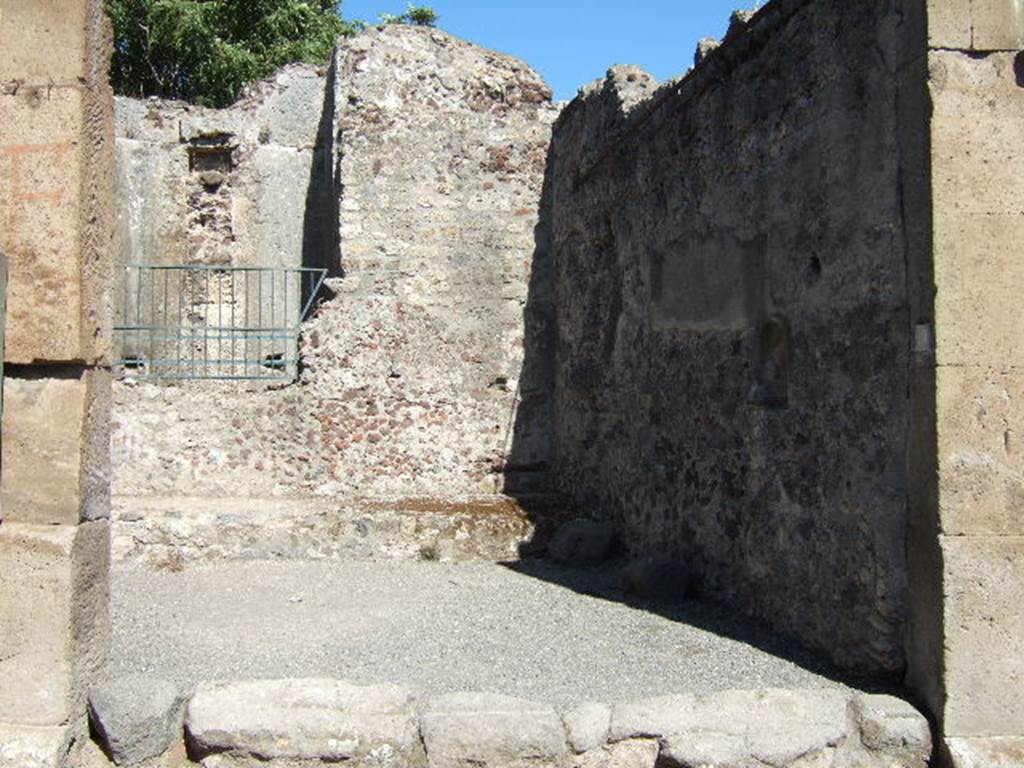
(603, 582)
(532, 471)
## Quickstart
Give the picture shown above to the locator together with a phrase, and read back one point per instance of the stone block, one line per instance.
(975, 167)
(986, 753)
(772, 727)
(40, 208)
(587, 726)
(581, 542)
(43, 421)
(55, 622)
(206, 123)
(974, 319)
(28, 747)
(997, 25)
(892, 727)
(460, 729)
(303, 719)
(633, 753)
(984, 644)
(949, 24)
(53, 26)
(977, 108)
(136, 717)
(980, 454)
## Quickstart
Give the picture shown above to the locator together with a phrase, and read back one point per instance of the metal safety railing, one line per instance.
(213, 322)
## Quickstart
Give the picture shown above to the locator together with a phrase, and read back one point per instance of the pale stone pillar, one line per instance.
(968, 646)
(56, 204)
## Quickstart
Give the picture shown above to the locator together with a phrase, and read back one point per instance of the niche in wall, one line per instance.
(771, 369)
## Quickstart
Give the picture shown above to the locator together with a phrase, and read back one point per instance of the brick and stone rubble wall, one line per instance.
(733, 349)
(412, 365)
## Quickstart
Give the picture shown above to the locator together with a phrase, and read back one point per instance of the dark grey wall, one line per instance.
(732, 360)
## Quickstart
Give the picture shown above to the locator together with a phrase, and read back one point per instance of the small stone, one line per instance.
(739, 21)
(32, 747)
(658, 578)
(463, 729)
(893, 727)
(587, 726)
(136, 717)
(633, 753)
(704, 49)
(581, 542)
(211, 179)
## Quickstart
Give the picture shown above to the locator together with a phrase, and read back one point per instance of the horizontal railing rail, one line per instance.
(213, 322)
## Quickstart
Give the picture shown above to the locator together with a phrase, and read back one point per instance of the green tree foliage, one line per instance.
(205, 51)
(421, 16)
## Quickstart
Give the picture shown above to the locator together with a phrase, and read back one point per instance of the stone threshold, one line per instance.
(321, 722)
(175, 531)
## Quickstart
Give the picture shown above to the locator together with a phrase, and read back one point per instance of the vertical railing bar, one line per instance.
(138, 304)
(247, 353)
(164, 314)
(259, 324)
(127, 315)
(192, 314)
(273, 314)
(206, 323)
(181, 326)
(287, 289)
(152, 320)
(220, 322)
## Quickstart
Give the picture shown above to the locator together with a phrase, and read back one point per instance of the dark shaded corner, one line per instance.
(719, 366)
(925, 635)
(321, 240)
(529, 471)
(531, 476)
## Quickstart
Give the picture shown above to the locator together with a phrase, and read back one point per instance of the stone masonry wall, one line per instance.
(205, 186)
(249, 186)
(968, 629)
(734, 343)
(411, 366)
(57, 201)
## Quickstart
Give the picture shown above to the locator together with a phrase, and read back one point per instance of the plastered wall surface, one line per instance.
(245, 204)
(733, 325)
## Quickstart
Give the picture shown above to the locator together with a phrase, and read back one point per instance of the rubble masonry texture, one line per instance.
(411, 370)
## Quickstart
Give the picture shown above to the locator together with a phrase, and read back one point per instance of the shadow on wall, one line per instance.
(529, 465)
(321, 240)
(531, 477)
(717, 351)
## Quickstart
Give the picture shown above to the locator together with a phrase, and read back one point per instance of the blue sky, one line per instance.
(571, 42)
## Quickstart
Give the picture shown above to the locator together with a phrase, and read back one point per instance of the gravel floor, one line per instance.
(553, 635)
